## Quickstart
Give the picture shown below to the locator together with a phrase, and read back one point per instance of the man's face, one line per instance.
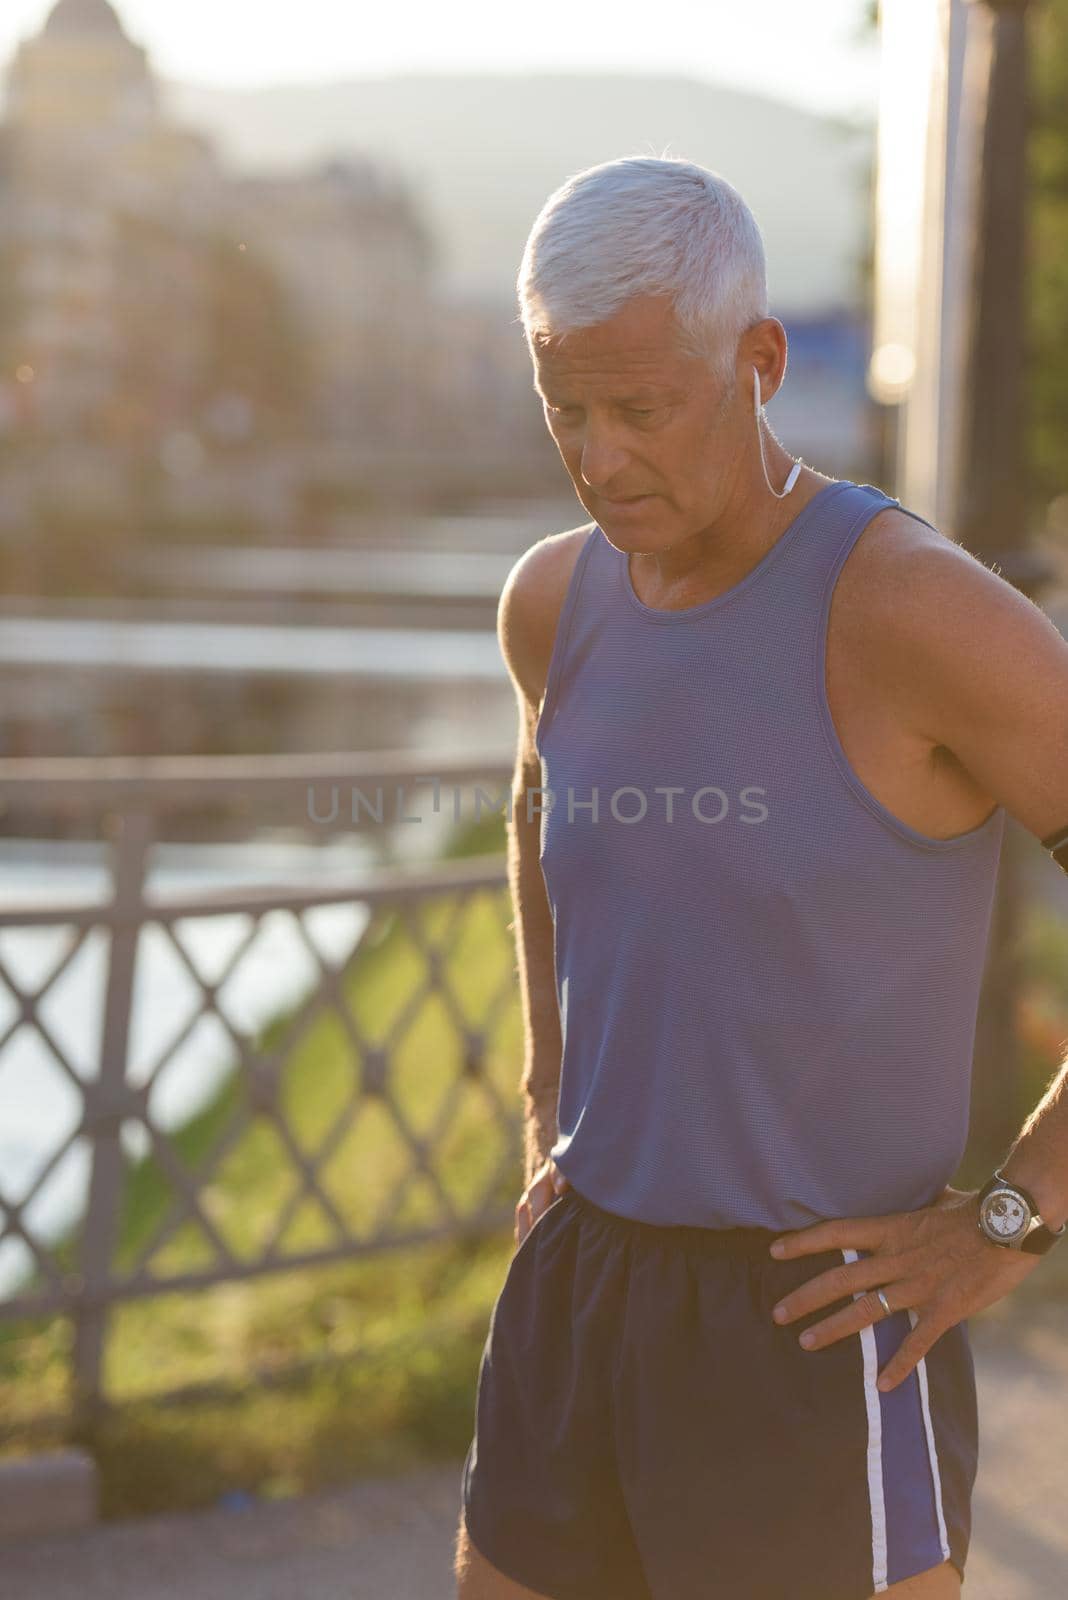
(632, 415)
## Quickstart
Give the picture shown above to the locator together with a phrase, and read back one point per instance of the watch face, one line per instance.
(1004, 1214)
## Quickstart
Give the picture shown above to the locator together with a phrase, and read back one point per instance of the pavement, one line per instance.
(393, 1538)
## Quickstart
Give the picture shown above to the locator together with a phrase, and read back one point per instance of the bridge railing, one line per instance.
(406, 1173)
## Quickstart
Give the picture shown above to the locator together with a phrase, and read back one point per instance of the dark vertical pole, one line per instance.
(132, 835)
(992, 495)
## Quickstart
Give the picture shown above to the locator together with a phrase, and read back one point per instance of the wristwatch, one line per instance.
(1008, 1216)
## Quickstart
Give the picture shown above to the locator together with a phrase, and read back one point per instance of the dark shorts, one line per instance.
(645, 1431)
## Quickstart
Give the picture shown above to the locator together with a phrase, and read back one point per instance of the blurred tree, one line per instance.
(1047, 296)
(158, 316)
(208, 340)
(1047, 331)
(10, 265)
(256, 347)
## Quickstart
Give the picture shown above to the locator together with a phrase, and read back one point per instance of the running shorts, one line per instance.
(645, 1431)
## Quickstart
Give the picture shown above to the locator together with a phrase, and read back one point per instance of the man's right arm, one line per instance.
(526, 625)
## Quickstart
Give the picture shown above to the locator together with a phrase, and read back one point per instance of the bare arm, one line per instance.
(533, 928)
(988, 674)
(526, 625)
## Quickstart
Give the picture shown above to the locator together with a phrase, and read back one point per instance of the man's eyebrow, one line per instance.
(649, 392)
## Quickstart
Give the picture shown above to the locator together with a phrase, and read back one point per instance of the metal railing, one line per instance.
(422, 908)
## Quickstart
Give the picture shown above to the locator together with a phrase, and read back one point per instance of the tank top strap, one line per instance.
(802, 585)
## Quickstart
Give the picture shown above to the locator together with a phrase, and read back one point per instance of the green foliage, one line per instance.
(1047, 299)
(369, 1367)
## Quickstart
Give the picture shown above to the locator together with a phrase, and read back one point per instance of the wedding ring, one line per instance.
(884, 1302)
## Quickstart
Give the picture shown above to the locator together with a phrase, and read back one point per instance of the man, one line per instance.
(768, 739)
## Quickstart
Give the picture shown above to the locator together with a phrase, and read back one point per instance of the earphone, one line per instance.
(795, 469)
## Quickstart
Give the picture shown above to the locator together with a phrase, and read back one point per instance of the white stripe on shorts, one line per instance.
(875, 1449)
(932, 1451)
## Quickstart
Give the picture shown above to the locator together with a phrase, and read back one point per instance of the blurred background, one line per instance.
(268, 448)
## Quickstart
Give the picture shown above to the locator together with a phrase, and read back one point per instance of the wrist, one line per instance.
(1050, 1197)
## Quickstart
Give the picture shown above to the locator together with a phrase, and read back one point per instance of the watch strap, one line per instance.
(1040, 1239)
(999, 1181)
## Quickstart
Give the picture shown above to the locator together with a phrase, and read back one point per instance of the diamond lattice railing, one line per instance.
(283, 1101)
(28, 1017)
(260, 1070)
(258, 1076)
(405, 1053)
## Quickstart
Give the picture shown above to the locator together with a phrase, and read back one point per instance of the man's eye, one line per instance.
(635, 413)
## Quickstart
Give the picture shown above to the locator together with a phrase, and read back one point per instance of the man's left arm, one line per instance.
(984, 673)
(987, 672)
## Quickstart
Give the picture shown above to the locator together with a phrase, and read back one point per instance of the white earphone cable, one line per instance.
(795, 469)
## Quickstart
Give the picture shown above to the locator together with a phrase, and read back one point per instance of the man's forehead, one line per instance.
(608, 352)
(598, 346)
(621, 388)
(615, 381)
(629, 367)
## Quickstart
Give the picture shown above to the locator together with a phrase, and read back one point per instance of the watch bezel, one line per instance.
(996, 1191)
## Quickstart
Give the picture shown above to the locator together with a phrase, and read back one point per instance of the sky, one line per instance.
(773, 46)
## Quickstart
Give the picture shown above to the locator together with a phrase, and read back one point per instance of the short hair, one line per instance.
(646, 225)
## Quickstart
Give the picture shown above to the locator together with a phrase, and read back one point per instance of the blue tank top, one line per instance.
(768, 984)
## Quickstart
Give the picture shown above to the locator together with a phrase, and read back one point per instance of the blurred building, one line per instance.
(155, 309)
(357, 260)
(253, 357)
(103, 207)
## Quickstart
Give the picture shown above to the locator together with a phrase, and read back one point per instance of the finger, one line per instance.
(869, 1272)
(838, 1233)
(864, 1312)
(911, 1351)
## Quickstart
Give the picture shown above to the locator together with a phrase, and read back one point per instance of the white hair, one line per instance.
(646, 225)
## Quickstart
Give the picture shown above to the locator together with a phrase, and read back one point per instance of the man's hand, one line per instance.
(538, 1196)
(934, 1262)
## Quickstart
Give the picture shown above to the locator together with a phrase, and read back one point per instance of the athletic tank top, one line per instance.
(768, 984)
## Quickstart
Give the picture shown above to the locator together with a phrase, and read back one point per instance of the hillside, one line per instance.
(483, 152)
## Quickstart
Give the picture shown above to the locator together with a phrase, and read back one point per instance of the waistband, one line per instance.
(708, 1241)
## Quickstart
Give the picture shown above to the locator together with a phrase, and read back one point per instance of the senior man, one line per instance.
(770, 726)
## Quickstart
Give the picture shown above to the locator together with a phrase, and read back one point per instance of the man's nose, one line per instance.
(601, 463)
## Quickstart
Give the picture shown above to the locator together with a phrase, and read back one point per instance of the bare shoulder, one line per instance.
(926, 617)
(530, 606)
(911, 581)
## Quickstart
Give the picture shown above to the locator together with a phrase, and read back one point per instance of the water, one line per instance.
(396, 654)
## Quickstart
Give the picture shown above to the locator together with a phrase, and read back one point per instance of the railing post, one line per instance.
(131, 835)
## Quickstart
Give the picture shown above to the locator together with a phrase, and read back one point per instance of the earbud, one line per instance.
(756, 391)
